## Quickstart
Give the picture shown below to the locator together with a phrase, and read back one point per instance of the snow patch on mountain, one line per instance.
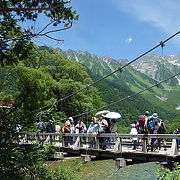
(175, 62)
(162, 98)
(178, 80)
(76, 59)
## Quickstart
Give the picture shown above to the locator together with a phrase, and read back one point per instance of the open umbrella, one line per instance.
(100, 113)
(112, 115)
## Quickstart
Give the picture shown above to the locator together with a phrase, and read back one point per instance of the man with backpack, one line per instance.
(155, 125)
(152, 123)
(142, 123)
(50, 128)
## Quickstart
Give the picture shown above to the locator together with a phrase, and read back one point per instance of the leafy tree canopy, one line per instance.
(42, 81)
(15, 41)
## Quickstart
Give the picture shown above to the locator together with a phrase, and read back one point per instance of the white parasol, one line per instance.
(113, 115)
(104, 112)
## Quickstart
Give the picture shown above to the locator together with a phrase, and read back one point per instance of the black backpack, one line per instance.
(162, 128)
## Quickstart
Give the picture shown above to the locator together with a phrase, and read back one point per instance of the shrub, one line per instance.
(167, 174)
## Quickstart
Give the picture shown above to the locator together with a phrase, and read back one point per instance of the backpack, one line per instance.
(151, 123)
(162, 128)
(141, 120)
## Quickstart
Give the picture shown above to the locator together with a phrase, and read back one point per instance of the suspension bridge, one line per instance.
(116, 145)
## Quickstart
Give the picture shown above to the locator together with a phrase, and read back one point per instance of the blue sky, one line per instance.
(121, 29)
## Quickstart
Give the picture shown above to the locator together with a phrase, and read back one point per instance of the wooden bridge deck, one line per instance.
(117, 145)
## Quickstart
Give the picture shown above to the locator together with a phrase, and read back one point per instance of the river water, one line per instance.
(107, 170)
(144, 171)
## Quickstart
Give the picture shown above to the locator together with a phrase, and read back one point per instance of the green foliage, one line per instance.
(167, 174)
(30, 128)
(172, 126)
(15, 40)
(36, 87)
(48, 151)
(64, 173)
(42, 82)
(25, 85)
(26, 162)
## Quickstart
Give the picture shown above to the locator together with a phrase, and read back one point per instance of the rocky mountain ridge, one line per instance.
(159, 67)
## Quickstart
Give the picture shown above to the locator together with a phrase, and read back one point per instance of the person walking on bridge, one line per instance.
(134, 139)
(153, 125)
(93, 129)
(142, 123)
(69, 128)
(103, 128)
(80, 127)
(177, 131)
(41, 126)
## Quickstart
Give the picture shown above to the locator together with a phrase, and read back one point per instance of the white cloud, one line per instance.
(161, 14)
(129, 40)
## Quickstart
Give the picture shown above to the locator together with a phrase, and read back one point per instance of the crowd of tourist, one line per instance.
(149, 124)
(145, 124)
(98, 125)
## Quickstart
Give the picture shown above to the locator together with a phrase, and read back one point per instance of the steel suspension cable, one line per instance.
(128, 97)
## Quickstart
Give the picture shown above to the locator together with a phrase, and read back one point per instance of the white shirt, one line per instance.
(134, 132)
(93, 128)
(57, 128)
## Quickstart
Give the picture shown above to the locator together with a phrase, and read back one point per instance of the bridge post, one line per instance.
(86, 158)
(120, 162)
(144, 147)
(63, 141)
(118, 145)
(59, 155)
(97, 143)
(26, 138)
(174, 148)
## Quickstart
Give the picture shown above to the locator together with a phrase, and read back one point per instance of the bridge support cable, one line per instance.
(161, 44)
(126, 98)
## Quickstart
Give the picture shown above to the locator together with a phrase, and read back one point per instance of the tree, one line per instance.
(16, 45)
(70, 77)
(15, 41)
(48, 84)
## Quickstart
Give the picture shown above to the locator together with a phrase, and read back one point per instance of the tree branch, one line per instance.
(53, 38)
(38, 34)
(57, 30)
(45, 28)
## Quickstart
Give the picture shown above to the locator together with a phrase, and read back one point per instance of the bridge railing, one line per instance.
(110, 141)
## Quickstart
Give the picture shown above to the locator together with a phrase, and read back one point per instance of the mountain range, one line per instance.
(145, 72)
(159, 67)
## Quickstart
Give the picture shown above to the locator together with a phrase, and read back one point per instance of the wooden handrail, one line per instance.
(157, 136)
